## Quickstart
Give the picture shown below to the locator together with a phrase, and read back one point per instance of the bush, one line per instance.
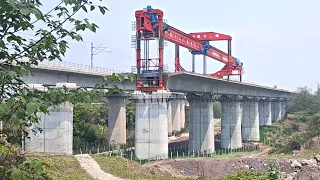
(301, 117)
(294, 142)
(267, 131)
(274, 171)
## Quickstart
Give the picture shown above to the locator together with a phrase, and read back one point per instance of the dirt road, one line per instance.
(93, 169)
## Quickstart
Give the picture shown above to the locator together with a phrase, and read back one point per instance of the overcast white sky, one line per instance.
(278, 41)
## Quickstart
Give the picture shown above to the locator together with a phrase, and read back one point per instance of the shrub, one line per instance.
(274, 171)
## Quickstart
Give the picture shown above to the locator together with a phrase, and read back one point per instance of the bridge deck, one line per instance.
(195, 83)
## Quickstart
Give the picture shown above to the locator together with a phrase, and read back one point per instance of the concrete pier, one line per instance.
(151, 127)
(231, 122)
(57, 127)
(265, 112)
(176, 117)
(169, 117)
(57, 131)
(201, 125)
(276, 110)
(117, 121)
(283, 109)
(182, 113)
(250, 119)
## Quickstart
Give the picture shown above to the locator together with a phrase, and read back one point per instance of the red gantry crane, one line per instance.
(150, 26)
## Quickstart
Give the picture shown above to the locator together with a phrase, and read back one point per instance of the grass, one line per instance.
(247, 175)
(218, 155)
(124, 168)
(305, 154)
(234, 154)
(62, 167)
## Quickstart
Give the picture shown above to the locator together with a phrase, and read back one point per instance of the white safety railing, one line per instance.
(74, 67)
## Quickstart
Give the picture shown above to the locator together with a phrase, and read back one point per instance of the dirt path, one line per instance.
(265, 150)
(93, 169)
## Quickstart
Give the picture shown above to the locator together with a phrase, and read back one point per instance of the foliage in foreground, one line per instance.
(272, 174)
(274, 171)
(50, 33)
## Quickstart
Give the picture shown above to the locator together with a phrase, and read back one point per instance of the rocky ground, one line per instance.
(291, 169)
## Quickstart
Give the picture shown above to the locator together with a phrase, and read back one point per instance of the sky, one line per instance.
(277, 41)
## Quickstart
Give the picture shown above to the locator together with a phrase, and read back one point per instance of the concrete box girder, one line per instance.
(194, 83)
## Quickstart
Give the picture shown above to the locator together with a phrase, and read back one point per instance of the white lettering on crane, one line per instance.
(215, 54)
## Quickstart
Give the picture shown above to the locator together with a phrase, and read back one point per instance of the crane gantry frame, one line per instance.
(150, 26)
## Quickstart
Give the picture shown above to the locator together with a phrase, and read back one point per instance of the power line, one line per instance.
(96, 50)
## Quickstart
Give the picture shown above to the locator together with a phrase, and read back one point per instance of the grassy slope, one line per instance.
(63, 167)
(121, 167)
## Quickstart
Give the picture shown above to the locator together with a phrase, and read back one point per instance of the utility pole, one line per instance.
(94, 50)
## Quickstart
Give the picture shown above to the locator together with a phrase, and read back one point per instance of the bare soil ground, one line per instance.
(218, 168)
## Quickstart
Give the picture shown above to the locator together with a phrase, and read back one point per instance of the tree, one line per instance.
(130, 114)
(314, 125)
(90, 122)
(304, 101)
(217, 109)
(19, 106)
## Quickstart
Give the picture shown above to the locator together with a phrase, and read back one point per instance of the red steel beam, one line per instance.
(185, 40)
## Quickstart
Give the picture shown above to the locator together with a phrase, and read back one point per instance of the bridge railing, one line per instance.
(86, 69)
(74, 67)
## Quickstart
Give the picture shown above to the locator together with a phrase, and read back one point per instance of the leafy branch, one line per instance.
(19, 107)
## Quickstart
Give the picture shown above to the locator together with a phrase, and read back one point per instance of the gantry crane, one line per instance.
(150, 26)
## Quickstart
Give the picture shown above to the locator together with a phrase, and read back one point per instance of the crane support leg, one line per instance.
(177, 60)
(177, 64)
(204, 65)
(193, 63)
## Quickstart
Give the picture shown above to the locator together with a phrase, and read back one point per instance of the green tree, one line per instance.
(90, 122)
(217, 109)
(18, 106)
(130, 114)
(304, 101)
(314, 125)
